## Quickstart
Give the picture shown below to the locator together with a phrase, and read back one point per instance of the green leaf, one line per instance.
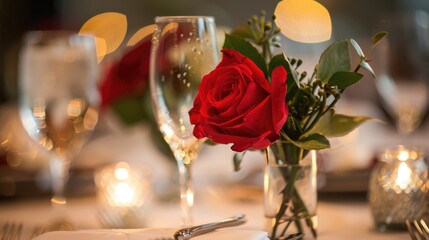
(313, 142)
(310, 142)
(357, 48)
(281, 60)
(342, 124)
(344, 79)
(125, 109)
(238, 158)
(336, 125)
(247, 49)
(292, 75)
(377, 38)
(209, 142)
(335, 58)
(323, 125)
(365, 65)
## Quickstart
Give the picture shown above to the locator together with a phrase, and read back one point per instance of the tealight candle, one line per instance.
(122, 194)
(398, 185)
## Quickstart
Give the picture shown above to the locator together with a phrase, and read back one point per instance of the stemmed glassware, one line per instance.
(184, 49)
(403, 77)
(58, 96)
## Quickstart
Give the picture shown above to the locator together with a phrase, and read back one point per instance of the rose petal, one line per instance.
(254, 95)
(280, 109)
(231, 57)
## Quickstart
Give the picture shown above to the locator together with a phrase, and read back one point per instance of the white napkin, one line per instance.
(150, 234)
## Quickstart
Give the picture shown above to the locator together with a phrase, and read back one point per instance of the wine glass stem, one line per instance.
(59, 171)
(186, 191)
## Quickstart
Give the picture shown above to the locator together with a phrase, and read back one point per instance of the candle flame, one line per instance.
(403, 179)
(124, 195)
(122, 171)
(403, 155)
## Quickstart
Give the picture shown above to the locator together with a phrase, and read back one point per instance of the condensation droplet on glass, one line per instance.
(197, 39)
(181, 35)
(194, 49)
(188, 85)
(190, 34)
(184, 74)
(189, 40)
(184, 80)
(199, 52)
(189, 67)
(186, 65)
(179, 75)
(162, 78)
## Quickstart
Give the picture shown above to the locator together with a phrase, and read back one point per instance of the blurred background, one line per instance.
(350, 19)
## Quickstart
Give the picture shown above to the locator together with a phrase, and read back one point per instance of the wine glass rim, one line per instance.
(51, 32)
(182, 18)
(37, 36)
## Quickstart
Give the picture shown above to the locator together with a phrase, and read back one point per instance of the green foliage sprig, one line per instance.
(311, 98)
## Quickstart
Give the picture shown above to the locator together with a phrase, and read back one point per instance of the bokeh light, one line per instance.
(303, 20)
(140, 34)
(110, 27)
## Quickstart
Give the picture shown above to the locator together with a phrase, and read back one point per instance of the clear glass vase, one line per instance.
(290, 196)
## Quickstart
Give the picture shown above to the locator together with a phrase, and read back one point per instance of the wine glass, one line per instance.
(403, 78)
(58, 97)
(184, 49)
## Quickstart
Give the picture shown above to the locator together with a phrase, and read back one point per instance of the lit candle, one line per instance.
(403, 177)
(398, 187)
(122, 193)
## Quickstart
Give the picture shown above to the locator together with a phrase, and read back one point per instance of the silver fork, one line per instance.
(11, 231)
(418, 229)
(17, 231)
(190, 232)
(187, 233)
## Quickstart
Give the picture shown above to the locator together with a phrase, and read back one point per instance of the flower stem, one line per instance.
(321, 111)
(286, 199)
(291, 198)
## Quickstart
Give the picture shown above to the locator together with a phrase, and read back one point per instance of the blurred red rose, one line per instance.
(129, 75)
(236, 104)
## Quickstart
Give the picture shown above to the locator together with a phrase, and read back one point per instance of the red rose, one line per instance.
(129, 75)
(236, 104)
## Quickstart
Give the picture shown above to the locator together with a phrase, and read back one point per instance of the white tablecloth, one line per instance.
(337, 220)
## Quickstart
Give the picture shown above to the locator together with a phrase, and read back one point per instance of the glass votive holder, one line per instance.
(398, 187)
(123, 194)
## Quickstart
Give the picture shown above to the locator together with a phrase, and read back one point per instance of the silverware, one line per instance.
(190, 232)
(17, 231)
(11, 231)
(418, 229)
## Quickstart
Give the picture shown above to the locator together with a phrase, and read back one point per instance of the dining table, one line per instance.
(219, 192)
(342, 218)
